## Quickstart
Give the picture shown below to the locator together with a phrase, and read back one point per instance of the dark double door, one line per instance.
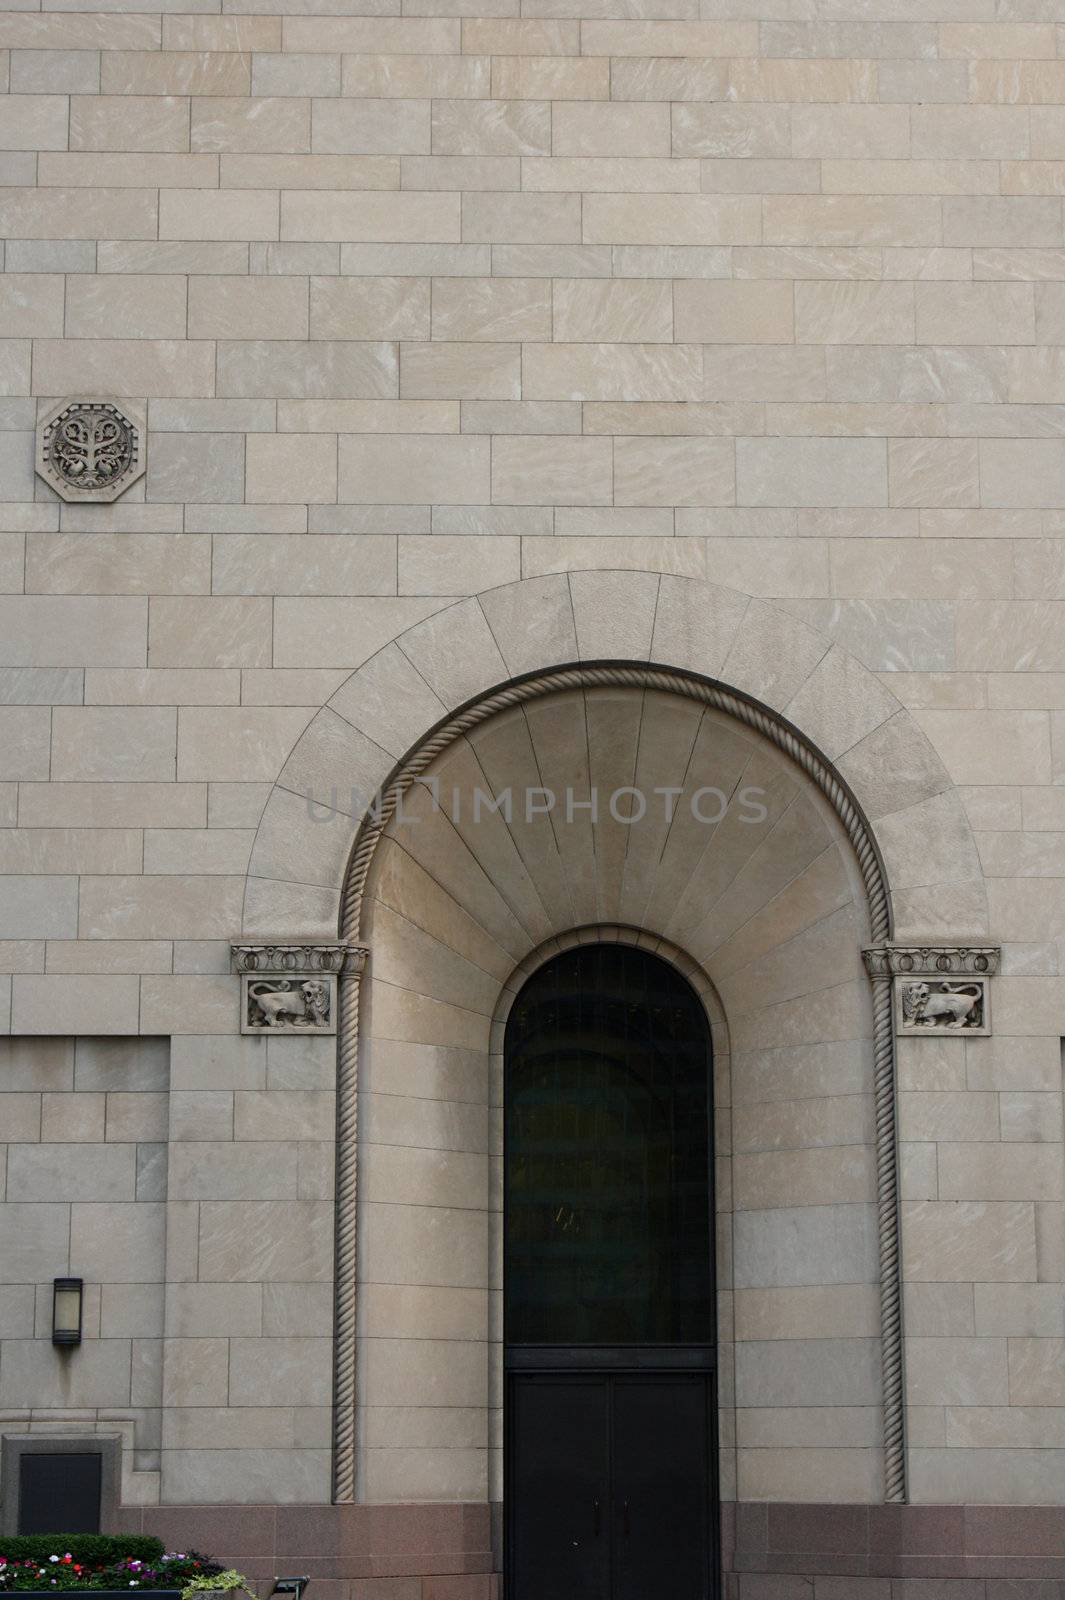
(608, 1321)
(610, 1493)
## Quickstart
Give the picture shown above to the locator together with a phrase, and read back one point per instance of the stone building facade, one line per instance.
(411, 404)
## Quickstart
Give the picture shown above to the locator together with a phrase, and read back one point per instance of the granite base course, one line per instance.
(908, 1552)
(352, 1552)
(770, 1551)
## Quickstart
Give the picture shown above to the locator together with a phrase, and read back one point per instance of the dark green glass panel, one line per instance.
(608, 1140)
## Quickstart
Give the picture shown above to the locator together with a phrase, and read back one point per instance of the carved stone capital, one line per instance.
(931, 960)
(292, 987)
(283, 956)
(92, 450)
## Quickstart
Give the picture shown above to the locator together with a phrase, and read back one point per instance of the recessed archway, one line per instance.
(865, 775)
(767, 892)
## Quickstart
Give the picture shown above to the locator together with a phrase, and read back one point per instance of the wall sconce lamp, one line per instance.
(66, 1310)
(292, 1586)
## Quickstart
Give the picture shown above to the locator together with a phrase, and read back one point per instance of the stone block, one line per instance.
(810, 1245)
(196, 468)
(195, 1372)
(952, 1241)
(280, 1372)
(72, 630)
(248, 1241)
(70, 1004)
(134, 367)
(1036, 1371)
(127, 563)
(117, 1243)
(24, 742)
(99, 1378)
(370, 308)
(951, 1371)
(782, 472)
(127, 743)
(203, 1310)
(246, 1477)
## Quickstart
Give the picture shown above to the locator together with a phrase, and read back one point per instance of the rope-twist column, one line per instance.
(887, 1216)
(785, 738)
(346, 1212)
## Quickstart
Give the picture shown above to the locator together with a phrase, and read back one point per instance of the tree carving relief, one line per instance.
(91, 450)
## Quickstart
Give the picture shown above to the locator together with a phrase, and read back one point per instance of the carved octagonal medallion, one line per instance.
(92, 450)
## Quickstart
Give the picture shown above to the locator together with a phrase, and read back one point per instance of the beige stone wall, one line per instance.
(424, 303)
(247, 1348)
(194, 1197)
(84, 1125)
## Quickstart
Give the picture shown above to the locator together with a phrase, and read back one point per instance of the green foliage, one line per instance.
(228, 1580)
(89, 1549)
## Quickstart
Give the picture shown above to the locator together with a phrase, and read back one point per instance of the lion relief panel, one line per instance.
(927, 1005)
(290, 988)
(938, 988)
(306, 1004)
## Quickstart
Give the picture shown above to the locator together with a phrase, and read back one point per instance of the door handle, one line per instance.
(595, 1504)
(625, 1518)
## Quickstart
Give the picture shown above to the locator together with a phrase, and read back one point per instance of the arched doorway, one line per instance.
(609, 1304)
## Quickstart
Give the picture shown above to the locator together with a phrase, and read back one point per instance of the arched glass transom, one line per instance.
(609, 1192)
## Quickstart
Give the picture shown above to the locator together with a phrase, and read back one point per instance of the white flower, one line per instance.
(53, 1558)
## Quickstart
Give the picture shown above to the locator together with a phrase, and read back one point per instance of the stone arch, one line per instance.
(792, 686)
(403, 691)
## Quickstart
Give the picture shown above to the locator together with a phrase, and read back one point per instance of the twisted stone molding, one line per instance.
(791, 742)
(890, 1243)
(345, 1243)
